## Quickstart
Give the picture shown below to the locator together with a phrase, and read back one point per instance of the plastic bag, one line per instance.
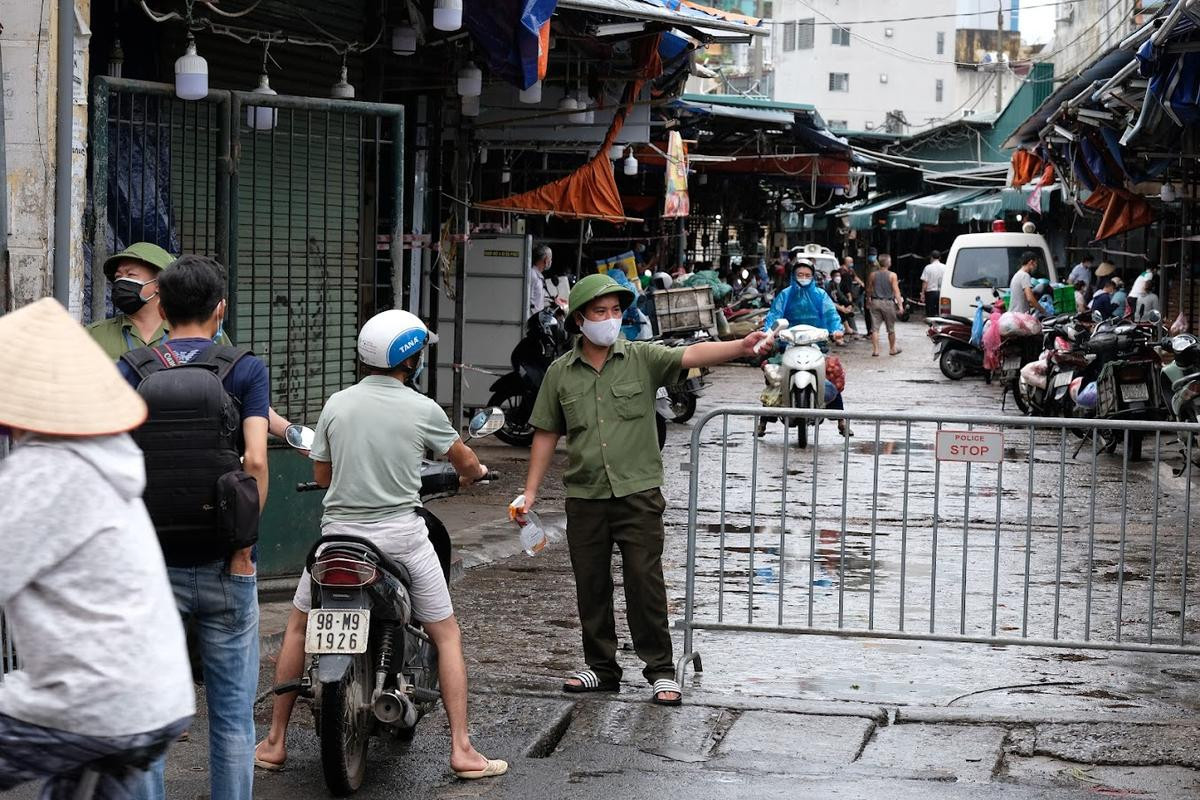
(534, 534)
(835, 373)
(771, 397)
(1014, 323)
(1034, 373)
(977, 327)
(1076, 385)
(1180, 325)
(992, 340)
(1088, 397)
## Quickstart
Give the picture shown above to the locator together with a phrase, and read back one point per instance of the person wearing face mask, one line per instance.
(601, 396)
(134, 274)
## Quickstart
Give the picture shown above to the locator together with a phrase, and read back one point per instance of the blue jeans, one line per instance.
(224, 610)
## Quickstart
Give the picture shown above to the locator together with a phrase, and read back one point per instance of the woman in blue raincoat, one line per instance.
(803, 302)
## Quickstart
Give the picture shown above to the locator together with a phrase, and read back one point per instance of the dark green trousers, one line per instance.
(634, 524)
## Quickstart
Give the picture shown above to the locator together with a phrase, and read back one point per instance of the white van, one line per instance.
(823, 258)
(981, 262)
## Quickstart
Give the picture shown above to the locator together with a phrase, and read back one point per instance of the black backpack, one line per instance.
(204, 507)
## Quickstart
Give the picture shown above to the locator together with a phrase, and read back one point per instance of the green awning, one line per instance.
(864, 218)
(928, 210)
(983, 208)
(899, 220)
(1018, 199)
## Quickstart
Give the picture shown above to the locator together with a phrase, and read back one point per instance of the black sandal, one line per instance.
(589, 681)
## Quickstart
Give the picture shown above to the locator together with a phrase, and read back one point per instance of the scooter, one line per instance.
(1043, 388)
(1181, 378)
(682, 396)
(371, 669)
(515, 392)
(953, 349)
(800, 376)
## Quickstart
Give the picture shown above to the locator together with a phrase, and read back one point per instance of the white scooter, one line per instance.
(801, 375)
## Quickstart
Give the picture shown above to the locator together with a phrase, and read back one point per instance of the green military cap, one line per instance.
(588, 289)
(149, 254)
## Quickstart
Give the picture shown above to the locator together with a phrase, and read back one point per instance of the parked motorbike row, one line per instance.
(1081, 366)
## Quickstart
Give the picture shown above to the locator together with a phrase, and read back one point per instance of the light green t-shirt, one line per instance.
(375, 434)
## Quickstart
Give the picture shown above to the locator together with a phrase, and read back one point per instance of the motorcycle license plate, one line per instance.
(337, 631)
(1012, 363)
(1135, 393)
(1063, 379)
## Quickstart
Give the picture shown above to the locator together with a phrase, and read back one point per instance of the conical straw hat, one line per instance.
(55, 379)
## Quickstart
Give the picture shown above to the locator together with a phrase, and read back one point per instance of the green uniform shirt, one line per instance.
(375, 434)
(608, 417)
(118, 335)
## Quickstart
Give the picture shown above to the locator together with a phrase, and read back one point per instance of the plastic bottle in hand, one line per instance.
(534, 535)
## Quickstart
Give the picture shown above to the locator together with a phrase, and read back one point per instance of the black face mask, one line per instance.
(127, 295)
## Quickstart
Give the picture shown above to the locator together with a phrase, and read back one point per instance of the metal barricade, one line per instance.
(994, 530)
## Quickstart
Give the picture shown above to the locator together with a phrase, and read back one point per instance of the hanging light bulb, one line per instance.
(483, 155)
(191, 74)
(579, 117)
(616, 152)
(447, 15)
(533, 94)
(116, 58)
(470, 80)
(342, 90)
(589, 114)
(1167, 193)
(470, 105)
(630, 165)
(404, 39)
(262, 118)
(505, 175)
(568, 105)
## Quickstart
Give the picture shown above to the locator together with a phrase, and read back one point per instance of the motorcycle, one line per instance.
(371, 669)
(515, 392)
(957, 356)
(1044, 385)
(800, 376)
(682, 396)
(1181, 378)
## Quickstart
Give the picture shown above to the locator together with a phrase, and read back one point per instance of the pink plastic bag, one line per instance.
(992, 339)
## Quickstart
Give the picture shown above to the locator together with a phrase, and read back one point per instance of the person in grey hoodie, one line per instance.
(103, 685)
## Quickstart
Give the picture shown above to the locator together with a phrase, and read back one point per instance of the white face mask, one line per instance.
(804, 281)
(602, 333)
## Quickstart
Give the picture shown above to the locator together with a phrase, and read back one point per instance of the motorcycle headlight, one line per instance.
(773, 374)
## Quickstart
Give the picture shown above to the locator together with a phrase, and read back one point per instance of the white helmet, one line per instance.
(390, 337)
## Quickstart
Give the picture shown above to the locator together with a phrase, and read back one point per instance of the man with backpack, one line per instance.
(205, 444)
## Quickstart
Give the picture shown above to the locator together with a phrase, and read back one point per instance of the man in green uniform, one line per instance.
(601, 395)
(133, 273)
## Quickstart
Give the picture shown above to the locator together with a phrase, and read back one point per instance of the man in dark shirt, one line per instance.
(220, 597)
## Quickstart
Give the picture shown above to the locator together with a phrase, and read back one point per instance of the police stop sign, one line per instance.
(985, 446)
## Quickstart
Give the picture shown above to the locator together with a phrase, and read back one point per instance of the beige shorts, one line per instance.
(403, 538)
(884, 313)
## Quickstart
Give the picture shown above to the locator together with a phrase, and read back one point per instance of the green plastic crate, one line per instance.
(1064, 299)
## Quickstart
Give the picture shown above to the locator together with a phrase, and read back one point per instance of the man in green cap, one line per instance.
(601, 396)
(133, 273)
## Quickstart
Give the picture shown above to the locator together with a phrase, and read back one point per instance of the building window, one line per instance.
(806, 30)
(939, 90)
(841, 36)
(839, 81)
(941, 43)
(789, 37)
(837, 124)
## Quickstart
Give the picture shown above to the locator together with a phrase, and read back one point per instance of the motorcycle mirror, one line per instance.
(1097, 316)
(745, 274)
(1154, 316)
(299, 437)
(486, 422)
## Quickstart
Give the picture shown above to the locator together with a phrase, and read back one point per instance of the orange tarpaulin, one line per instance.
(1025, 167)
(589, 192)
(1124, 212)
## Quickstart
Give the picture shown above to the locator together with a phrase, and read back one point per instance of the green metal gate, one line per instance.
(302, 213)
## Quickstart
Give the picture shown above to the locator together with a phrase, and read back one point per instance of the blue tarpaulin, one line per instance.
(509, 33)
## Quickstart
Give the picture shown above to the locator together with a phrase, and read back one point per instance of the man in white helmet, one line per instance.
(369, 443)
